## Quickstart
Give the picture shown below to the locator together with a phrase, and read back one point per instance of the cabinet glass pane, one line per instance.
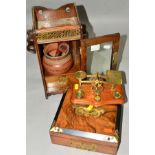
(99, 58)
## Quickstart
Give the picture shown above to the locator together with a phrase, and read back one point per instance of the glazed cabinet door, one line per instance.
(100, 53)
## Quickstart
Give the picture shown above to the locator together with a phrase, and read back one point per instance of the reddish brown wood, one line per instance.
(74, 45)
(57, 14)
(106, 96)
(39, 56)
(57, 61)
(65, 11)
(78, 49)
(106, 124)
(61, 19)
(70, 74)
(73, 141)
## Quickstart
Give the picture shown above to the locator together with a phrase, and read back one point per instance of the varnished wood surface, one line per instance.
(39, 56)
(78, 48)
(55, 14)
(58, 13)
(68, 140)
(106, 96)
(66, 118)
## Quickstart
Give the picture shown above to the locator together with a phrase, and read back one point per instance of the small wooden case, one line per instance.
(57, 26)
(94, 134)
(100, 134)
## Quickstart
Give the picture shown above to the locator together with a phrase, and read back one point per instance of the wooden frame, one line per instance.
(114, 38)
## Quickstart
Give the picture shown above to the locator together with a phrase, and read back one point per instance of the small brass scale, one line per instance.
(97, 82)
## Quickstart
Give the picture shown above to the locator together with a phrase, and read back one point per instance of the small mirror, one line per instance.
(99, 58)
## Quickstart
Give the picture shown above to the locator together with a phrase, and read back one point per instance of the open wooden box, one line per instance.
(99, 135)
(94, 134)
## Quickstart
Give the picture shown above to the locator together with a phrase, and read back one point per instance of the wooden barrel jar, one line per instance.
(57, 58)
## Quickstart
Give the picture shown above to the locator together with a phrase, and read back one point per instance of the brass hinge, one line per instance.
(115, 58)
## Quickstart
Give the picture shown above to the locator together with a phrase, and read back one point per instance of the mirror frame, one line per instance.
(114, 38)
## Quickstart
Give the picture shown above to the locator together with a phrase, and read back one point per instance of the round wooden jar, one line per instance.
(57, 65)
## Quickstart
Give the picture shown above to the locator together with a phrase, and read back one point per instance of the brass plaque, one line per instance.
(83, 145)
